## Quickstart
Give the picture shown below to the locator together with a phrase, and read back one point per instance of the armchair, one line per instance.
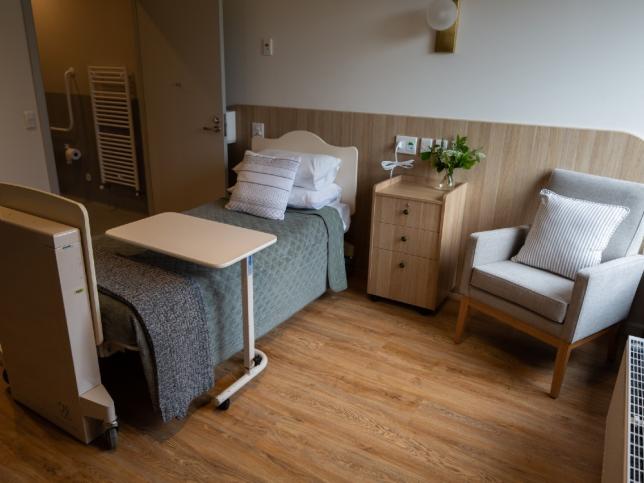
(560, 312)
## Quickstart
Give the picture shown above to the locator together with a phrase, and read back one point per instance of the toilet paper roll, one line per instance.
(72, 154)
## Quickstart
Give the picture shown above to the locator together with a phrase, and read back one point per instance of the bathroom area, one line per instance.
(88, 60)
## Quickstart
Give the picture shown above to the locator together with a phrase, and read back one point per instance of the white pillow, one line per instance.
(569, 234)
(310, 199)
(316, 171)
(264, 184)
(314, 200)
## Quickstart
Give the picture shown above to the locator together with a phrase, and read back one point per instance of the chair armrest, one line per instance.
(602, 296)
(491, 246)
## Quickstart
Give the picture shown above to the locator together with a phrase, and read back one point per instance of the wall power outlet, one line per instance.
(409, 144)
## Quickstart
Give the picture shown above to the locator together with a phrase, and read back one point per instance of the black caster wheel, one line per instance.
(111, 438)
(5, 376)
(257, 360)
(224, 405)
(425, 312)
(374, 298)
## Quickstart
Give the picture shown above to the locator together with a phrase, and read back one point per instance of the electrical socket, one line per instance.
(410, 144)
(258, 129)
(426, 145)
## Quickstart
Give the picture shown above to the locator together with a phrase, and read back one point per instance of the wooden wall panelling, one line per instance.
(502, 190)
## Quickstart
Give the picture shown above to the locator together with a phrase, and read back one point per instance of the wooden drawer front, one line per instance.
(403, 277)
(412, 241)
(413, 214)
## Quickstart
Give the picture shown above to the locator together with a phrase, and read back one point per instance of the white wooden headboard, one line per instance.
(307, 142)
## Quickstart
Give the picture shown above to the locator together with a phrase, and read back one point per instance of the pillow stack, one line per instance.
(312, 185)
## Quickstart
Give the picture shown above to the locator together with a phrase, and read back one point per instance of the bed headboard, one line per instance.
(307, 142)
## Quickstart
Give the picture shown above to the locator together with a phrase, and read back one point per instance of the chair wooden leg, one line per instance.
(463, 312)
(563, 354)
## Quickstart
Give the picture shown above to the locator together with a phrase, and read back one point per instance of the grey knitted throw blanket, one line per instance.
(171, 312)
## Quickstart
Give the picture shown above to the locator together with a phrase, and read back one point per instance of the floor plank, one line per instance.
(354, 391)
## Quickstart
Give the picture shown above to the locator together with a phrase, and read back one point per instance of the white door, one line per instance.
(181, 68)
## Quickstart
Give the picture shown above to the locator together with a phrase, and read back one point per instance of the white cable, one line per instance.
(392, 165)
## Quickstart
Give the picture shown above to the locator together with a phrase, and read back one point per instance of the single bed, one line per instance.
(306, 261)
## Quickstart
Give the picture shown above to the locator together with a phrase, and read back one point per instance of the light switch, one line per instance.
(258, 129)
(426, 145)
(30, 120)
(267, 46)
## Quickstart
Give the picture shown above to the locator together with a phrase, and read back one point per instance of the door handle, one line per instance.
(216, 125)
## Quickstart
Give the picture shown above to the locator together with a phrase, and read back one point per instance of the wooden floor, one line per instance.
(354, 391)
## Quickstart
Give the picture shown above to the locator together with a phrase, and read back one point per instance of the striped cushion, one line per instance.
(264, 184)
(569, 234)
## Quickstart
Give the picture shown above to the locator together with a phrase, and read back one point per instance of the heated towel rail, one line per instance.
(112, 109)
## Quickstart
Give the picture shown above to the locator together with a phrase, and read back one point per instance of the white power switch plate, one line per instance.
(426, 145)
(267, 46)
(30, 120)
(410, 145)
(258, 129)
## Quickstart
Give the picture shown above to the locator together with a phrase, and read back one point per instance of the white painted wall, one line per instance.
(573, 63)
(22, 151)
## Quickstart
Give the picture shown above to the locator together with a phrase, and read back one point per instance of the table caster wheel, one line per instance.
(111, 438)
(224, 405)
(257, 360)
(5, 376)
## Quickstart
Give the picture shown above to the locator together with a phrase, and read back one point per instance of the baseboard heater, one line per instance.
(624, 443)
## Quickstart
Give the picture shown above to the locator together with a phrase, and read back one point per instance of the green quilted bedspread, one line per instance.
(307, 258)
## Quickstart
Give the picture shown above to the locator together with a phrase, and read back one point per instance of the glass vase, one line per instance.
(447, 183)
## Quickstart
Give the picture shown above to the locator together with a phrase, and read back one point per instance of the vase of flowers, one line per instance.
(447, 160)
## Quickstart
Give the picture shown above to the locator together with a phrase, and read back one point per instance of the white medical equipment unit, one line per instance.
(50, 321)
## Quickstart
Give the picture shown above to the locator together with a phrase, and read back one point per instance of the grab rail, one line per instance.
(68, 73)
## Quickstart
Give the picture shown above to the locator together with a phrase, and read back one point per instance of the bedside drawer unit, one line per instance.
(415, 241)
(411, 241)
(405, 212)
(402, 277)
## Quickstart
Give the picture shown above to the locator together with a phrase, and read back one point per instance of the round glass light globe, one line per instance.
(441, 14)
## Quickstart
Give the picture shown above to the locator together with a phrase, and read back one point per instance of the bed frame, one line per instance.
(307, 142)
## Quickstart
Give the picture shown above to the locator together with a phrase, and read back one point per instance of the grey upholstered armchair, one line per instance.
(561, 312)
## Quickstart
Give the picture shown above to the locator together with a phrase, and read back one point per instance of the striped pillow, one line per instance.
(264, 184)
(569, 234)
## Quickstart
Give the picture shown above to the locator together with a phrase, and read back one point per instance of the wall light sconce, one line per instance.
(442, 16)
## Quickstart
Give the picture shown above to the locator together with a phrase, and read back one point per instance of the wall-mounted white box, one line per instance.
(230, 127)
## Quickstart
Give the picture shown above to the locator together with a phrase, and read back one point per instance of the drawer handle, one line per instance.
(401, 264)
(405, 211)
(403, 238)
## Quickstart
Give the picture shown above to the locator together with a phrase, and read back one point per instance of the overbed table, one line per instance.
(211, 244)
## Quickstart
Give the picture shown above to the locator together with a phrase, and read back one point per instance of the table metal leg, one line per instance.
(254, 360)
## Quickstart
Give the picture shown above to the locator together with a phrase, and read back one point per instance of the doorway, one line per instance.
(133, 96)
